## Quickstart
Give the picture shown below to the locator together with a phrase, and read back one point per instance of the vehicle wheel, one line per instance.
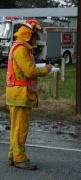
(67, 57)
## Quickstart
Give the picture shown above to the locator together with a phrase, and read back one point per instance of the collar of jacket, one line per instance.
(26, 44)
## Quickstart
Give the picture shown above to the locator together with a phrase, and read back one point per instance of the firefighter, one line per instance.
(21, 90)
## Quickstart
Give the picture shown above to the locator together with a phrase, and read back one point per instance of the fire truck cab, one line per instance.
(8, 26)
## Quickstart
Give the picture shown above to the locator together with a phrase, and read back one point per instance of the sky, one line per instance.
(61, 1)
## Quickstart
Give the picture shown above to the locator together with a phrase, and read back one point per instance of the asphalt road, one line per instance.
(53, 164)
(56, 149)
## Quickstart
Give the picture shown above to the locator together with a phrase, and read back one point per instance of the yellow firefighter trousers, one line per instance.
(19, 120)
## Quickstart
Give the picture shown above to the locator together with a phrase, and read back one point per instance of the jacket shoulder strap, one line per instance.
(15, 44)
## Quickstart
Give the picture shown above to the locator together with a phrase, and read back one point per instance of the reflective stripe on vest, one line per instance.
(11, 79)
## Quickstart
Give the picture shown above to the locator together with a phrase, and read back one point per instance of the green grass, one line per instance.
(67, 88)
(2, 81)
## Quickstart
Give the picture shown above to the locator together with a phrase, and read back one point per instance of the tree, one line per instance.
(72, 2)
(37, 3)
(24, 3)
(4, 4)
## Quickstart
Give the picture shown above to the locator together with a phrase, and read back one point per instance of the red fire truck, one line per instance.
(57, 43)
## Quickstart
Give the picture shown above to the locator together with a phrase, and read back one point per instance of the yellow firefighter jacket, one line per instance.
(24, 69)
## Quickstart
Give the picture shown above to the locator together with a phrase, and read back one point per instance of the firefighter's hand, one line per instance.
(49, 67)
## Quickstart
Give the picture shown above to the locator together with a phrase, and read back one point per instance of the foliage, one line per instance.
(43, 3)
(72, 2)
(7, 4)
(67, 88)
(34, 3)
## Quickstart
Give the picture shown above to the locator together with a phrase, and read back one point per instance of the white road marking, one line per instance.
(48, 147)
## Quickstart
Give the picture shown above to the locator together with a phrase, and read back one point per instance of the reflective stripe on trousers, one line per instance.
(20, 118)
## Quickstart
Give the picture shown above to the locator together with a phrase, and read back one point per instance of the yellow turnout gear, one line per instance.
(19, 99)
(20, 117)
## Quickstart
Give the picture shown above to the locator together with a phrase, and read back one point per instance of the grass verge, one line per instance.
(49, 107)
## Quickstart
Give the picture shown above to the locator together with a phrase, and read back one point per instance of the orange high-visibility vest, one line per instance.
(11, 79)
